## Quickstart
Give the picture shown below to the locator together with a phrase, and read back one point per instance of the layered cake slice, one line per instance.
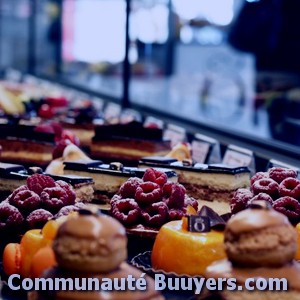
(212, 183)
(22, 144)
(83, 186)
(107, 177)
(128, 142)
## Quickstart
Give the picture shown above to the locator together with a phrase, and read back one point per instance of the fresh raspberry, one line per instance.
(16, 191)
(10, 216)
(279, 174)
(263, 197)
(26, 200)
(167, 189)
(39, 182)
(176, 197)
(176, 214)
(155, 176)
(266, 185)
(257, 176)
(290, 187)
(115, 198)
(68, 189)
(289, 207)
(38, 218)
(127, 211)
(155, 214)
(190, 201)
(128, 189)
(239, 200)
(55, 198)
(148, 193)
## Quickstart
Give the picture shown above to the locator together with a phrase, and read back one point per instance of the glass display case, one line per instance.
(170, 58)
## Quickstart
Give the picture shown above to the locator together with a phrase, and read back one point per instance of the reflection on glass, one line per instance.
(93, 45)
(14, 34)
(193, 73)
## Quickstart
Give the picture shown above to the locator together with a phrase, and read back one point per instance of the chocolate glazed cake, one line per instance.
(213, 183)
(22, 144)
(107, 177)
(128, 142)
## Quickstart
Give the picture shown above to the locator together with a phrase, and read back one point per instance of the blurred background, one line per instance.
(229, 64)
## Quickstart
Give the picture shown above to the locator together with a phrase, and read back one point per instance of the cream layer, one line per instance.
(103, 182)
(215, 181)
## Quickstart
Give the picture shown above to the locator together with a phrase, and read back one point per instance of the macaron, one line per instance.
(90, 243)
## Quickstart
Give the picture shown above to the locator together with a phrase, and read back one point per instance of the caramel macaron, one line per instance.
(90, 243)
(260, 237)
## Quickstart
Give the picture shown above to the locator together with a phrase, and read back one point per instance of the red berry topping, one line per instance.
(10, 217)
(39, 182)
(38, 218)
(279, 174)
(176, 214)
(289, 207)
(68, 189)
(266, 185)
(69, 135)
(176, 197)
(190, 201)
(46, 111)
(156, 214)
(263, 197)
(127, 211)
(148, 193)
(128, 189)
(26, 200)
(55, 198)
(155, 176)
(257, 176)
(16, 191)
(290, 187)
(240, 199)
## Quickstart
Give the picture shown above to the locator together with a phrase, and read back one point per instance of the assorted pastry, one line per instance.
(198, 238)
(279, 186)
(151, 201)
(260, 243)
(32, 205)
(93, 246)
(212, 184)
(128, 142)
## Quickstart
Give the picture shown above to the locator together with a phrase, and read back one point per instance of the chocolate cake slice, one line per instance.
(215, 182)
(107, 177)
(128, 142)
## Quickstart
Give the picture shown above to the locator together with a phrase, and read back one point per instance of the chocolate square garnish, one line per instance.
(198, 223)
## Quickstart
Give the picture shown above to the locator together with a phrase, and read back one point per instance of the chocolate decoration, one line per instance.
(25, 132)
(132, 130)
(215, 220)
(72, 179)
(81, 165)
(157, 159)
(203, 168)
(7, 169)
(187, 162)
(198, 224)
(116, 166)
(35, 170)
